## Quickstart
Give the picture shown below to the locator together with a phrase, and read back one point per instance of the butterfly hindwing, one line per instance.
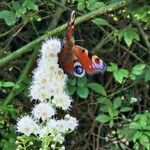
(91, 64)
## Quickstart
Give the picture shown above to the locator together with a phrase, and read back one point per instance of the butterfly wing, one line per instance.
(66, 56)
(90, 64)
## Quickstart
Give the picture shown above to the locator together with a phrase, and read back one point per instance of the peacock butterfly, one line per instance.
(75, 59)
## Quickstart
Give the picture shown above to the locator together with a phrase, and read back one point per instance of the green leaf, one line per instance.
(94, 4)
(147, 75)
(135, 125)
(8, 84)
(130, 34)
(97, 88)
(118, 34)
(138, 69)
(118, 76)
(8, 16)
(137, 136)
(100, 21)
(144, 140)
(81, 5)
(19, 9)
(71, 89)
(133, 77)
(103, 118)
(125, 109)
(82, 82)
(117, 102)
(143, 120)
(111, 123)
(83, 92)
(105, 101)
(72, 81)
(30, 5)
(124, 72)
(112, 68)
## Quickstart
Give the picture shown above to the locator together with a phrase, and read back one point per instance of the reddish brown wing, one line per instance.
(92, 64)
(66, 56)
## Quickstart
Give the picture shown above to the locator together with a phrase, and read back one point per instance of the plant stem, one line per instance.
(28, 47)
(23, 76)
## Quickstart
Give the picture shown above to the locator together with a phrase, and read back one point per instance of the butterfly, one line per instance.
(75, 59)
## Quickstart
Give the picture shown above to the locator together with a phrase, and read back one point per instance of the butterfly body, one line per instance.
(75, 59)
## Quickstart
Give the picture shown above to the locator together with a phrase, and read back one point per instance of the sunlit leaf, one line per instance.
(103, 118)
(117, 102)
(138, 69)
(83, 92)
(100, 21)
(97, 88)
(130, 34)
(8, 16)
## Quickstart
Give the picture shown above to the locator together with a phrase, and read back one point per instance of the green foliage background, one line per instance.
(113, 108)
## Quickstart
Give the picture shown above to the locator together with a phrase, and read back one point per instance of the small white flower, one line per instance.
(50, 46)
(133, 100)
(63, 148)
(53, 146)
(58, 126)
(27, 126)
(67, 116)
(38, 93)
(72, 123)
(62, 100)
(43, 110)
(43, 131)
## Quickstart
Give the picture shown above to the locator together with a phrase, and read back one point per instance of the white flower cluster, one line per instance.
(48, 89)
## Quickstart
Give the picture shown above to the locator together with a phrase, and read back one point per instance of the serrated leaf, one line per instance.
(137, 135)
(81, 5)
(138, 69)
(8, 16)
(72, 81)
(8, 84)
(100, 21)
(132, 76)
(112, 112)
(121, 74)
(124, 72)
(117, 102)
(97, 88)
(19, 9)
(82, 82)
(135, 125)
(94, 4)
(103, 118)
(125, 109)
(144, 140)
(143, 120)
(71, 89)
(112, 68)
(147, 75)
(118, 76)
(111, 123)
(130, 34)
(30, 5)
(83, 92)
(105, 101)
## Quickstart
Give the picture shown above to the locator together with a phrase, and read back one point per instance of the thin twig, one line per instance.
(56, 16)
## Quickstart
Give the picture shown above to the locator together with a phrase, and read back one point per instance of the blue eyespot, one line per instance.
(78, 69)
